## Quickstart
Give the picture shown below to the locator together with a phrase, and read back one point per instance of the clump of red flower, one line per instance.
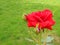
(44, 18)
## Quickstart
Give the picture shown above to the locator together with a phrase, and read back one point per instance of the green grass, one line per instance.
(13, 28)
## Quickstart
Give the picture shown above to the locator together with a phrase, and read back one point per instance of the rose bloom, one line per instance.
(44, 18)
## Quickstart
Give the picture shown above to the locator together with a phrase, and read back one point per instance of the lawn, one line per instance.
(13, 29)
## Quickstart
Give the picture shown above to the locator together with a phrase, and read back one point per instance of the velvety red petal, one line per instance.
(32, 24)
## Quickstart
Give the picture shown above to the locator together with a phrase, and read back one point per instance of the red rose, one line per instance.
(44, 18)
